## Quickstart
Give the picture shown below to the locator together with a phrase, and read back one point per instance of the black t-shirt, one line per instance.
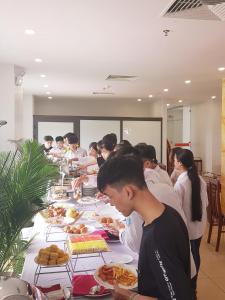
(164, 259)
(46, 150)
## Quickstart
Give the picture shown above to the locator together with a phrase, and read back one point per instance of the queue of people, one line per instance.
(165, 216)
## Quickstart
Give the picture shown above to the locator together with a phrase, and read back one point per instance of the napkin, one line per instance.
(103, 234)
(81, 285)
(53, 292)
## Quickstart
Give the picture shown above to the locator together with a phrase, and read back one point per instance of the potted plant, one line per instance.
(25, 177)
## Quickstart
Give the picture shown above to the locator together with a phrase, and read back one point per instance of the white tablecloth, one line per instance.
(117, 249)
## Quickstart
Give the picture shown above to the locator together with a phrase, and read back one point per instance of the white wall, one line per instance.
(206, 134)
(27, 132)
(159, 109)
(175, 125)
(91, 107)
(7, 111)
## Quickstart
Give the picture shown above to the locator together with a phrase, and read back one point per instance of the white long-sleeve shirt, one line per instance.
(163, 176)
(183, 189)
(151, 176)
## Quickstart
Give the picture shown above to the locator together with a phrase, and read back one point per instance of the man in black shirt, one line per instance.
(164, 258)
(47, 146)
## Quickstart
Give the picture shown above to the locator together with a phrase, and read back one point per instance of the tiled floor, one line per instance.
(211, 281)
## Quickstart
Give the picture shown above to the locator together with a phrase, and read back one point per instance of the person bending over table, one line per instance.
(164, 258)
(74, 152)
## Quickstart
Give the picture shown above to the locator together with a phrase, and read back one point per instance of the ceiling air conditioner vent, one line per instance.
(121, 78)
(102, 93)
(197, 9)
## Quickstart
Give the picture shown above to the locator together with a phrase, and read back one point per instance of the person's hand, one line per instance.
(121, 294)
(76, 183)
(115, 227)
(81, 167)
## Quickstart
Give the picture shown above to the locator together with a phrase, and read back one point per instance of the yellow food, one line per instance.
(72, 213)
(52, 256)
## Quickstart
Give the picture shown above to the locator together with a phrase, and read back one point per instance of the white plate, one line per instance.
(97, 295)
(121, 259)
(110, 286)
(90, 230)
(88, 200)
(60, 221)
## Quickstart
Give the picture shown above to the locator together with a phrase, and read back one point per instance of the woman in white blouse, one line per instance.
(192, 191)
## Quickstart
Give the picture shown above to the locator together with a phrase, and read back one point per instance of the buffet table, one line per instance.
(39, 230)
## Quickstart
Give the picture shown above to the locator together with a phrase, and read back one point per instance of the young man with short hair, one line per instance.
(47, 146)
(164, 258)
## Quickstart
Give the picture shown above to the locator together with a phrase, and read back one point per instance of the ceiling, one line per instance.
(81, 42)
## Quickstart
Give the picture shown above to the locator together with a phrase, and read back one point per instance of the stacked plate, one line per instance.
(88, 191)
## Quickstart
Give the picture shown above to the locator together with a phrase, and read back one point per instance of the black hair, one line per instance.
(59, 139)
(147, 152)
(114, 138)
(125, 143)
(109, 141)
(186, 157)
(173, 151)
(125, 150)
(121, 170)
(67, 135)
(72, 139)
(94, 146)
(48, 138)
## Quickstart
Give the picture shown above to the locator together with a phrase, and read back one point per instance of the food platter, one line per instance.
(125, 276)
(88, 200)
(60, 221)
(49, 266)
(89, 230)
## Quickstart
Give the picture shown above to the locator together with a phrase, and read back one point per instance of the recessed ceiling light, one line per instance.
(38, 60)
(221, 69)
(50, 97)
(167, 104)
(139, 99)
(42, 75)
(165, 90)
(213, 97)
(48, 93)
(45, 85)
(150, 96)
(180, 101)
(29, 31)
(187, 81)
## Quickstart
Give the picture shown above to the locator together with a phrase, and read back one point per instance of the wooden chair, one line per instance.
(215, 215)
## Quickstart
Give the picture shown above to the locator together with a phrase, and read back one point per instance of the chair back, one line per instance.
(214, 193)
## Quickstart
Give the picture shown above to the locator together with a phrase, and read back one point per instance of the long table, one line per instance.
(39, 230)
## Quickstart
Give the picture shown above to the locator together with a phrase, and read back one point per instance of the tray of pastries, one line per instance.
(51, 256)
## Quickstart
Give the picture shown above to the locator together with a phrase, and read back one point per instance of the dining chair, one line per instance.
(215, 215)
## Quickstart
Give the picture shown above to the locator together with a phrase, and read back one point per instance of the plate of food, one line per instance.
(60, 221)
(88, 200)
(125, 276)
(54, 211)
(59, 193)
(51, 256)
(80, 229)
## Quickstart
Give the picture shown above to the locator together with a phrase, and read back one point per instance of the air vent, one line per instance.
(180, 5)
(197, 9)
(102, 93)
(121, 77)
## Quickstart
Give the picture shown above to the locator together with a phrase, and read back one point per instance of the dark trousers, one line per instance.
(195, 245)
